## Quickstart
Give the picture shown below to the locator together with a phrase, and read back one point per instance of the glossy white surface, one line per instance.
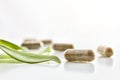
(85, 23)
(100, 69)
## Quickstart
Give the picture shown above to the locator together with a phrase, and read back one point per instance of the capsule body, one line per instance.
(105, 51)
(79, 55)
(31, 44)
(62, 46)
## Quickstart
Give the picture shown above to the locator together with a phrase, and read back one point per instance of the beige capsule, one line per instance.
(31, 44)
(62, 46)
(47, 41)
(105, 51)
(79, 55)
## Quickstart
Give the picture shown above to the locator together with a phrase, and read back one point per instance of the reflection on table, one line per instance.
(79, 67)
(104, 61)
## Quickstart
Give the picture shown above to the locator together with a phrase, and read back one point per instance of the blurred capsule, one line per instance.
(31, 44)
(47, 41)
(105, 51)
(77, 55)
(62, 46)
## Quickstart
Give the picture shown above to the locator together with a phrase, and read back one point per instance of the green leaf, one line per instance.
(7, 59)
(3, 56)
(10, 45)
(46, 51)
(27, 57)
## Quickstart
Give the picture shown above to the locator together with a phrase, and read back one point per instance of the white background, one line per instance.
(85, 23)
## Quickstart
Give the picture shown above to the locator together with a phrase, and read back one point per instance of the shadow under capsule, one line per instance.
(79, 67)
(105, 61)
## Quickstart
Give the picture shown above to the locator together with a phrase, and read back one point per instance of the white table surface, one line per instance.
(99, 69)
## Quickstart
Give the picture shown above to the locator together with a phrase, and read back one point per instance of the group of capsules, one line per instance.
(70, 54)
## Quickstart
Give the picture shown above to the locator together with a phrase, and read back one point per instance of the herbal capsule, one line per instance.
(105, 51)
(47, 41)
(31, 44)
(77, 55)
(62, 46)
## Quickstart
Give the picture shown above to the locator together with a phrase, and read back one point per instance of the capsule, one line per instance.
(31, 44)
(105, 51)
(47, 41)
(79, 55)
(62, 46)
